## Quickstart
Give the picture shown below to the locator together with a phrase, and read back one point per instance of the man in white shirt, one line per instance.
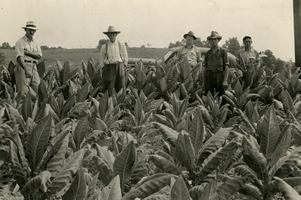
(28, 53)
(113, 59)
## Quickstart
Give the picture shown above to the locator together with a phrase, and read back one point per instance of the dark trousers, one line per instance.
(214, 82)
(113, 78)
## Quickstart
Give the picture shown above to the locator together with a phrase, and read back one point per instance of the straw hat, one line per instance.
(30, 25)
(214, 35)
(190, 33)
(111, 29)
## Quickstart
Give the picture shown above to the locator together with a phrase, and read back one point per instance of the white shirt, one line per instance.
(192, 55)
(114, 54)
(30, 45)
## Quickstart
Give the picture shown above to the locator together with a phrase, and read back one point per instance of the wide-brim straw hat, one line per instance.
(30, 25)
(111, 29)
(190, 33)
(214, 35)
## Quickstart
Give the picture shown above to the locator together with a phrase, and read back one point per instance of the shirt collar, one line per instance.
(27, 39)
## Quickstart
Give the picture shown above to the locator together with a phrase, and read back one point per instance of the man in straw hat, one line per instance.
(190, 58)
(113, 59)
(28, 53)
(216, 66)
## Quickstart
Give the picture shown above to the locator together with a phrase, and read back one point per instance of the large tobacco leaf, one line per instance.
(78, 189)
(179, 190)
(38, 140)
(63, 179)
(124, 163)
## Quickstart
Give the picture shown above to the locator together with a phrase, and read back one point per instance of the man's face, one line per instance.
(112, 36)
(30, 33)
(189, 40)
(248, 42)
(213, 42)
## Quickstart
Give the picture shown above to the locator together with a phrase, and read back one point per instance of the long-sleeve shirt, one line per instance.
(112, 53)
(30, 45)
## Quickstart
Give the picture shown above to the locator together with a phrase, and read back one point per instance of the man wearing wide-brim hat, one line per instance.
(28, 53)
(216, 66)
(113, 59)
(189, 56)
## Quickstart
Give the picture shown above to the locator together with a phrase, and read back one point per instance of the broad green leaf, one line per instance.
(209, 192)
(91, 194)
(139, 171)
(54, 147)
(79, 110)
(106, 155)
(293, 181)
(179, 190)
(78, 189)
(215, 159)
(287, 101)
(56, 162)
(269, 132)
(91, 70)
(170, 134)
(112, 191)
(282, 146)
(164, 164)
(63, 179)
(82, 129)
(150, 185)
(248, 173)
(42, 92)
(14, 115)
(184, 151)
(230, 186)
(27, 106)
(68, 105)
(38, 140)
(124, 163)
(213, 143)
(290, 159)
(251, 191)
(39, 181)
(197, 130)
(83, 93)
(253, 157)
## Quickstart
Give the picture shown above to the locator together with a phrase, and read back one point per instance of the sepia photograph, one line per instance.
(150, 100)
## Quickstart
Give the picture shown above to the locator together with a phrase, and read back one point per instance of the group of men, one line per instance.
(114, 58)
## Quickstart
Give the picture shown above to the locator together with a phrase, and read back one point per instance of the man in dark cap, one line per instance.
(216, 66)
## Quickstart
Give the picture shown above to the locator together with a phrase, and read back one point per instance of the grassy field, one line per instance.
(76, 56)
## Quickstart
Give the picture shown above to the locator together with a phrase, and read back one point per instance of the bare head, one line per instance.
(247, 40)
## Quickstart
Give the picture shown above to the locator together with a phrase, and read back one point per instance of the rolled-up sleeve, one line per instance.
(124, 54)
(19, 49)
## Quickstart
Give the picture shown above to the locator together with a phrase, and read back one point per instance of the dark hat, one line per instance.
(111, 29)
(214, 35)
(190, 33)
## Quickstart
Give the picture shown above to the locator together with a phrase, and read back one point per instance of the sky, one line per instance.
(81, 23)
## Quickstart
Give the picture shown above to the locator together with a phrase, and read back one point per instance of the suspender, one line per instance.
(106, 52)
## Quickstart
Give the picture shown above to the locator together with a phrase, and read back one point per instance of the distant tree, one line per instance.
(198, 42)
(2, 58)
(143, 46)
(44, 47)
(100, 43)
(176, 44)
(5, 45)
(232, 45)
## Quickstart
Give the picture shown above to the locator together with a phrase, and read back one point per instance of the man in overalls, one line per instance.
(216, 66)
(113, 59)
(28, 53)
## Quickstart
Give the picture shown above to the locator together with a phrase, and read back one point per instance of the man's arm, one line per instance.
(124, 54)
(102, 55)
(20, 56)
(226, 65)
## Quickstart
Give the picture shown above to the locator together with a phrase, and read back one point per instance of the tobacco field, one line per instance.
(160, 139)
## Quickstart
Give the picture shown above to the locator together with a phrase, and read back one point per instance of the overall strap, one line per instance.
(106, 52)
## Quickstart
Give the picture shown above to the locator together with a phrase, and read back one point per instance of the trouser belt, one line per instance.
(30, 61)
